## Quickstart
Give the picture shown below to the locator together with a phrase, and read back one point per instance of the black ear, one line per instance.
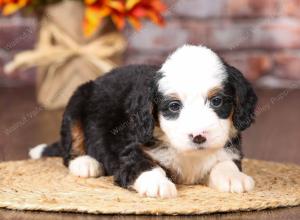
(141, 106)
(244, 101)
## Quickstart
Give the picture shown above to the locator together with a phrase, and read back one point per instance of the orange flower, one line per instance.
(11, 6)
(139, 9)
(120, 11)
(96, 10)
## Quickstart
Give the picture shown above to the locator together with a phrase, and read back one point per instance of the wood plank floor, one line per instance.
(275, 136)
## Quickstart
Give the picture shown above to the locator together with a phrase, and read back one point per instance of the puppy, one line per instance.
(151, 127)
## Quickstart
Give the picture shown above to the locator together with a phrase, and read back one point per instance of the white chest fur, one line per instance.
(189, 167)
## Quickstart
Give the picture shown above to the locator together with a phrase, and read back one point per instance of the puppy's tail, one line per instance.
(45, 150)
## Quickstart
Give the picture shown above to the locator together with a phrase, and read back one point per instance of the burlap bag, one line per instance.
(64, 57)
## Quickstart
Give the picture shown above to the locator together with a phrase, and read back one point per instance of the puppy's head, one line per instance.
(203, 102)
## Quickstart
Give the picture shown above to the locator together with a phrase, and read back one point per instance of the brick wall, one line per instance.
(16, 33)
(261, 37)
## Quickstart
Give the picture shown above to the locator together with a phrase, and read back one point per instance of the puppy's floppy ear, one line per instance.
(141, 105)
(245, 99)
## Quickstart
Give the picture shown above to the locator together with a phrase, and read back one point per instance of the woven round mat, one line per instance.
(46, 185)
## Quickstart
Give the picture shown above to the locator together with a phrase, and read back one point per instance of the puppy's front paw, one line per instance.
(86, 166)
(230, 180)
(154, 183)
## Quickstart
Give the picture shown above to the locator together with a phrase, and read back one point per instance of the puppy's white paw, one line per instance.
(154, 183)
(86, 166)
(37, 151)
(226, 178)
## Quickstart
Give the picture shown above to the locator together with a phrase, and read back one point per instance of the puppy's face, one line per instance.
(199, 100)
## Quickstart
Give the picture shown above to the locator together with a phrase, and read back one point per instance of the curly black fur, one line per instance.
(245, 98)
(118, 112)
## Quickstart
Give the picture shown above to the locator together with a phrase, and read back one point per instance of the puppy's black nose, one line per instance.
(199, 139)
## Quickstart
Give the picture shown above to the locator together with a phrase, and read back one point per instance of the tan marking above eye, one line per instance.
(174, 96)
(213, 92)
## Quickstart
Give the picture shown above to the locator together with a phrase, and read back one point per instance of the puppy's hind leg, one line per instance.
(86, 166)
(79, 162)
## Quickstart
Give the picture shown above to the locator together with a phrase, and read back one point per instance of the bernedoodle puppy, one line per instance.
(153, 126)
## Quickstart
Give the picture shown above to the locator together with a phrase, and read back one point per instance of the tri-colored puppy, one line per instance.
(151, 127)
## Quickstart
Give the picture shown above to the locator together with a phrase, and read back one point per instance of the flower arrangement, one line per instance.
(78, 40)
(119, 11)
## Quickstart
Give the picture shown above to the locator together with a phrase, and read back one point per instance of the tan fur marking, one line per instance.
(213, 92)
(78, 147)
(159, 134)
(174, 96)
(232, 131)
(189, 167)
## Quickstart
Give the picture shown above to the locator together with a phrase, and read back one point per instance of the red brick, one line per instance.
(290, 7)
(157, 39)
(287, 64)
(252, 64)
(198, 31)
(17, 33)
(278, 33)
(199, 8)
(228, 35)
(174, 34)
(275, 33)
(225, 8)
(252, 8)
(133, 57)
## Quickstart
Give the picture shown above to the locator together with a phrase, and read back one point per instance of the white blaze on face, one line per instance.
(190, 73)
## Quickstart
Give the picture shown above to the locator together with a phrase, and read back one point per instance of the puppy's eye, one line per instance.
(216, 102)
(174, 106)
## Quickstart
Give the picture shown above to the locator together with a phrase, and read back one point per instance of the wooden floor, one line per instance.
(275, 136)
